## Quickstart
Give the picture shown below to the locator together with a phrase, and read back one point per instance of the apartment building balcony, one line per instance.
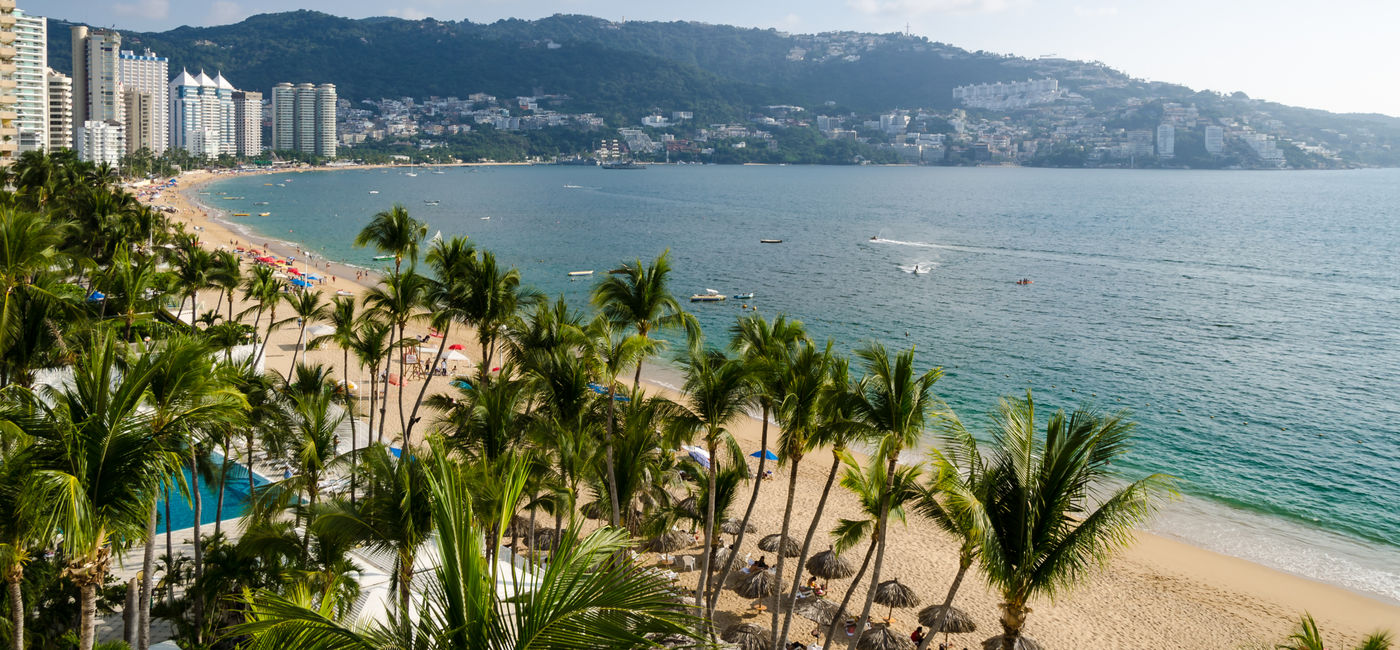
(7, 52)
(8, 84)
(7, 19)
(7, 37)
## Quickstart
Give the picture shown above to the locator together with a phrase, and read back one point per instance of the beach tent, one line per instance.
(764, 454)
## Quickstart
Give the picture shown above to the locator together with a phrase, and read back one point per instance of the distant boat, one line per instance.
(427, 202)
(281, 185)
(1024, 281)
(374, 191)
(233, 198)
(577, 274)
(744, 296)
(710, 295)
(919, 270)
(622, 165)
(268, 184)
(573, 187)
(264, 214)
(378, 258)
(770, 241)
(439, 171)
(261, 202)
(486, 218)
(410, 174)
(240, 214)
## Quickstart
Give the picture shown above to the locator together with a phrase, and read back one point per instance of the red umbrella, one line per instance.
(294, 271)
(456, 346)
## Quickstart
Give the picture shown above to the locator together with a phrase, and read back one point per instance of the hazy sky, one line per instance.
(1338, 55)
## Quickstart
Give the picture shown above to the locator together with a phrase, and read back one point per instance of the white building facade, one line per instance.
(101, 141)
(1166, 141)
(202, 119)
(31, 81)
(149, 75)
(60, 97)
(303, 118)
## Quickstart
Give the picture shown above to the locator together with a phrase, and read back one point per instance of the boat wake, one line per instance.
(916, 244)
(919, 268)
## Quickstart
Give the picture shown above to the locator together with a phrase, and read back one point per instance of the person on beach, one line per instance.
(918, 636)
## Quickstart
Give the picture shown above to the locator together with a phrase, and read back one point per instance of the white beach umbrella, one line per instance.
(319, 330)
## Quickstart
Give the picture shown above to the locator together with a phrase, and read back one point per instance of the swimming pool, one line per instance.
(235, 499)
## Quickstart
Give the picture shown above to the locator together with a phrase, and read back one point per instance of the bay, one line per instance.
(1247, 320)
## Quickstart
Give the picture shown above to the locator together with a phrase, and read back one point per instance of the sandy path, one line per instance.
(1159, 594)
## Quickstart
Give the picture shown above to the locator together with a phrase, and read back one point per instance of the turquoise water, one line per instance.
(235, 500)
(1248, 320)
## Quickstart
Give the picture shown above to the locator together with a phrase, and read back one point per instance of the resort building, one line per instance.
(303, 118)
(60, 91)
(146, 75)
(97, 76)
(1166, 141)
(9, 127)
(202, 116)
(101, 141)
(30, 85)
(247, 118)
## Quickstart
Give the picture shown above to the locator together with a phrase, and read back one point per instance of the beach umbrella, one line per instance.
(958, 621)
(757, 585)
(748, 636)
(721, 557)
(1023, 642)
(731, 526)
(820, 610)
(895, 594)
(764, 454)
(456, 346)
(455, 356)
(776, 543)
(827, 565)
(669, 542)
(881, 637)
(319, 330)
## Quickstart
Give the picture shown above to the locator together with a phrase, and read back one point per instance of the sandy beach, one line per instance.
(1159, 594)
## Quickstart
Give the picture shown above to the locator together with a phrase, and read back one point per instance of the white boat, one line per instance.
(427, 202)
(710, 295)
(744, 296)
(486, 218)
(374, 191)
(410, 174)
(578, 274)
(573, 187)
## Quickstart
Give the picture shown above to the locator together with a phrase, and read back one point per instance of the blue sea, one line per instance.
(1250, 321)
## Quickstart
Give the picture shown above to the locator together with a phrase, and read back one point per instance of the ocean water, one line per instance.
(1249, 321)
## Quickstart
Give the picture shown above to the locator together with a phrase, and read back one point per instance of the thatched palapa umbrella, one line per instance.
(758, 585)
(958, 621)
(827, 565)
(732, 526)
(748, 636)
(895, 594)
(669, 542)
(880, 637)
(776, 543)
(1022, 643)
(721, 557)
(820, 610)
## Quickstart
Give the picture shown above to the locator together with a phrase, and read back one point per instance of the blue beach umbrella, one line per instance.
(96, 296)
(765, 454)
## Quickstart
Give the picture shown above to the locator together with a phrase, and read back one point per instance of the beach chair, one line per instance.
(687, 563)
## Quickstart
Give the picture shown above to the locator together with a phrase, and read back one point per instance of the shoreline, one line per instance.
(1271, 598)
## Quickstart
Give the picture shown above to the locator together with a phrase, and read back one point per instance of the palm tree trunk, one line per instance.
(198, 500)
(963, 565)
(807, 542)
(637, 376)
(301, 336)
(850, 589)
(194, 298)
(403, 381)
(748, 512)
(219, 504)
(350, 410)
(879, 556)
(148, 561)
(703, 589)
(608, 454)
(413, 415)
(1013, 619)
(384, 401)
(87, 625)
(271, 320)
(250, 464)
(15, 577)
(405, 595)
(787, 523)
(169, 554)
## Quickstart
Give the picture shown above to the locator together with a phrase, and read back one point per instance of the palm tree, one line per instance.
(344, 321)
(1041, 531)
(398, 300)
(765, 348)
(608, 352)
(372, 343)
(637, 295)
(227, 275)
(395, 233)
(309, 308)
(193, 266)
(25, 527)
(447, 299)
(882, 496)
(313, 443)
(583, 598)
(495, 298)
(486, 418)
(717, 391)
(263, 287)
(138, 283)
(895, 403)
(28, 246)
(1308, 637)
(98, 466)
(395, 516)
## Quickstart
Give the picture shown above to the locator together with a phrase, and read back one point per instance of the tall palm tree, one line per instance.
(1041, 530)
(313, 444)
(718, 390)
(394, 232)
(608, 352)
(98, 466)
(398, 299)
(309, 308)
(802, 383)
(395, 516)
(882, 497)
(28, 246)
(486, 418)
(227, 275)
(447, 298)
(495, 298)
(583, 598)
(24, 528)
(1308, 637)
(765, 347)
(138, 284)
(265, 289)
(344, 320)
(372, 343)
(193, 268)
(895, 403)
(637, 295)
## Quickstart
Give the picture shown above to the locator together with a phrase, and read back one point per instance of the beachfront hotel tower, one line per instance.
(202, 115)
(31, 45)
(60, 92)
(303, 118)
(9, 128)
(247, 117)
(144, 78)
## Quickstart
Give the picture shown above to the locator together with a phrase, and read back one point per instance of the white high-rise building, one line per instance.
(60, 91)
(303, 118)
(101, 141)
(247, 117)
(202, 119)
(1166, 141)
(146, 74)
(1215, 140)
(31, 83)
(9, 129)
(97, 94)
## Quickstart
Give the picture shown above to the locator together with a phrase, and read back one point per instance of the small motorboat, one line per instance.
(579, 274)
(486, 218)
(240, 214)
(264, 214)
(261, 202)
(410, 174)
(427, 202)
(374, 191)
(1025, 281)
(744, 296)
(379, 258)
(710, 295)
(770, 241)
